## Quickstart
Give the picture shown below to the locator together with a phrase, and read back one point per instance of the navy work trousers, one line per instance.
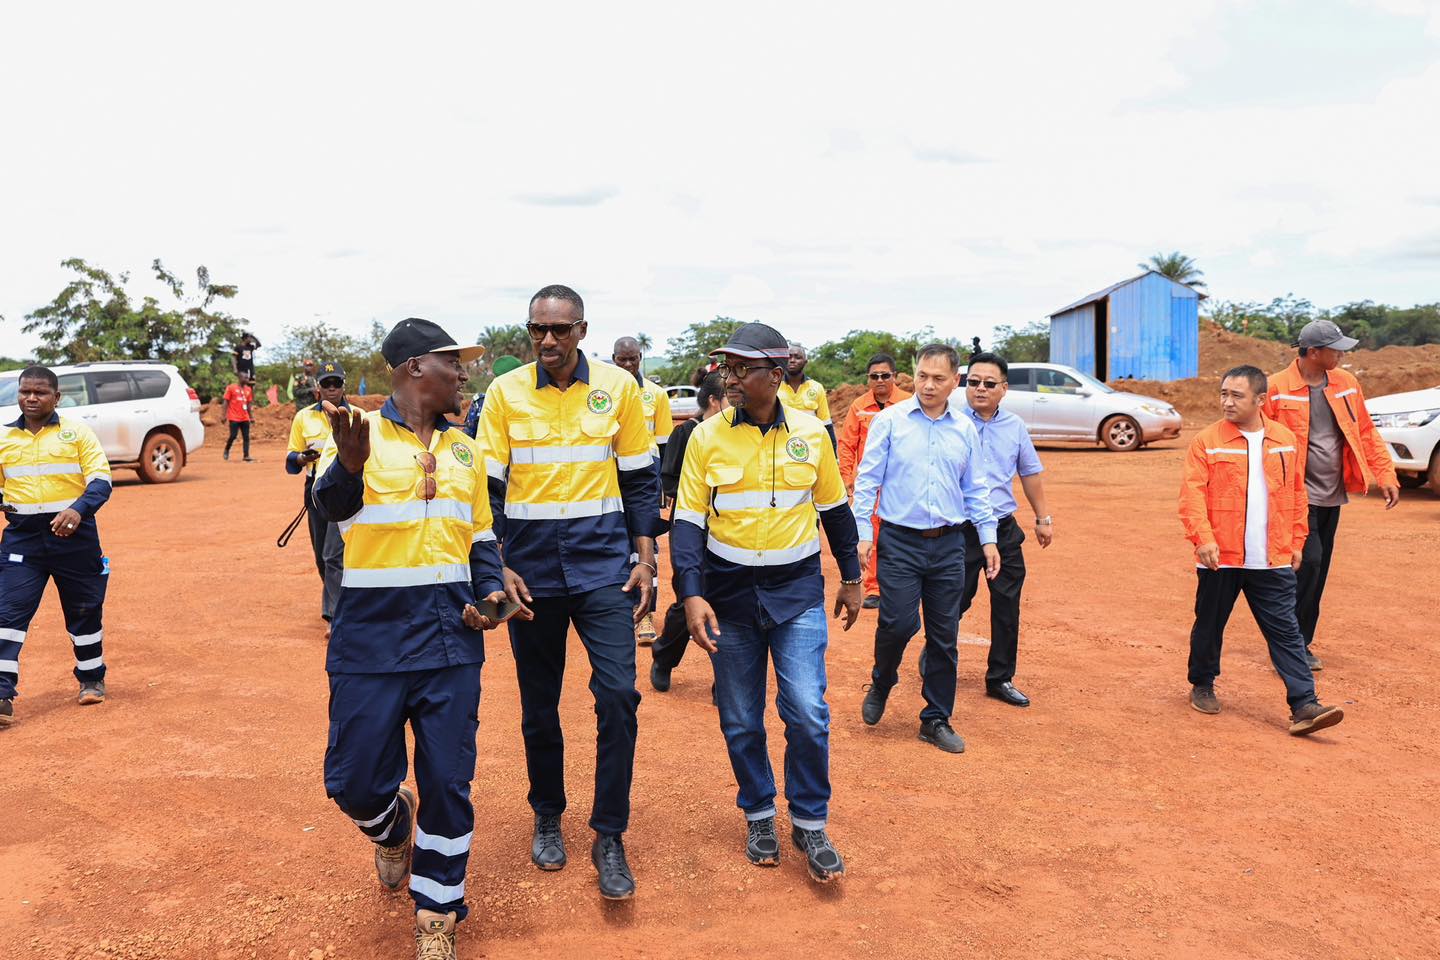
(27, 563)
(605, 622)
(1271, 595)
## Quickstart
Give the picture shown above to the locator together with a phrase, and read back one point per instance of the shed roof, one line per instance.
(1102, 294)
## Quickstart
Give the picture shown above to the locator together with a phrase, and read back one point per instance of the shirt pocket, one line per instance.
(719, 475)
(527, 431)
(391, 483)
(599, 426)
(799, 476)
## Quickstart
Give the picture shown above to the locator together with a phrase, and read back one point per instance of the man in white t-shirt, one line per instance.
(1243, 506)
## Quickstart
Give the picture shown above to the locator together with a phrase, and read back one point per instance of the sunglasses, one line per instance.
(741, 370)
(560, 331)
(881, 376)
(426, 486)
(987, 384)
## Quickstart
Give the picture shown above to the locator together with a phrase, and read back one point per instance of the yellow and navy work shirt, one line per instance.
(310, 430)
(812, 399)
(656, 403)
(572, 475)
(411, 564)
(61, 467)
(757, 493)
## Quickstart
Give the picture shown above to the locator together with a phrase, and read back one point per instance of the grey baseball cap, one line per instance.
(1324, 333)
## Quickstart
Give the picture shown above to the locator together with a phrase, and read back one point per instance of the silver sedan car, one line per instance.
(1061, 403)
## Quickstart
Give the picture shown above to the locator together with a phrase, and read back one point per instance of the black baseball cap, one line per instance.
(329, 370)
(756, 341)
(414, 337)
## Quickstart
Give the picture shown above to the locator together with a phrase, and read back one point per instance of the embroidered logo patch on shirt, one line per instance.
(599, 401)
(462, 454)
(798, 449)
(68, 435)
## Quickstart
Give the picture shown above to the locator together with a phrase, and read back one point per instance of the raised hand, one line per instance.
(352, 436)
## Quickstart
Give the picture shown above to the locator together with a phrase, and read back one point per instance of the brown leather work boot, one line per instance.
(434, 935)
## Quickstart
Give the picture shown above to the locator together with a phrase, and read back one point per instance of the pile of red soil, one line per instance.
(272, 422)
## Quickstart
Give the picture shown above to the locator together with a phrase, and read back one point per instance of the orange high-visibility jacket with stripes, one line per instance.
(1215, 492)
(1288, 401)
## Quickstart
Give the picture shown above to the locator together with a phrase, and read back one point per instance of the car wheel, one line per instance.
(161, 458)
(1121, 434)
(1412, 481)
(1434, 474)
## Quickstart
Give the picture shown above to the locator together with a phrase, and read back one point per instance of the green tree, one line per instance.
(1177, 267)
(10, 363)
(1280, 319)
(1027, 344)
(690, 348)
(844, 360)
(645, 342)
(94, 318)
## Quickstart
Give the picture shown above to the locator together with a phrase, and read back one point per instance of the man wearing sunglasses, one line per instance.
(925, 455)
(407, 643)
(755, 481)
(575, 489)
(880, 371)
(309, 432)
(801, 393)
(1005, 450)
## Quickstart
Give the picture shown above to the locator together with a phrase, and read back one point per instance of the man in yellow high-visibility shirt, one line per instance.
(53, 477)
(801, 393)
(576, 496)
(627, 355)
(309, 432)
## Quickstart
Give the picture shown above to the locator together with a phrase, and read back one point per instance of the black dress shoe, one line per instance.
(608, 855)
(1007, 693)
(821, 857)
(659, 678)
(942, 735)
(762, 846)
(547, 848)
(871, 602)
(874, 706)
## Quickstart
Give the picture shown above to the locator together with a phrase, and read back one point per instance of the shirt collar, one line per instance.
(582, 373)
(1001, 414)
(320, 405)
(392, 413)
(779, 417)
(53, 421)
(912, 405)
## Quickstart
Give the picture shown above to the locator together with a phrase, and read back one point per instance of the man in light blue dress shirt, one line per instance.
(1005, 451)
(925, 455)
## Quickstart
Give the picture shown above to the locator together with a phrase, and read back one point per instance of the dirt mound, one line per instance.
(844, 395)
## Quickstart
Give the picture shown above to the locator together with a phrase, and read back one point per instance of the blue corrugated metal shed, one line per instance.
(1146, 328)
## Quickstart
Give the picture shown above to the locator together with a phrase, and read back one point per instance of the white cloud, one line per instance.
(819, 166)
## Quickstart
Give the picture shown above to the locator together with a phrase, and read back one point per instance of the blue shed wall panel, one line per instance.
(1185, 337)
(1072, 338)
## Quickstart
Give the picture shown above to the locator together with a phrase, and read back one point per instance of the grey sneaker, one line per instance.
(762, 846)
(1312, 716)
(392, 864)
(92, 691)
(821, 857)
(7, 712)
(1202, 698)
(942, 735)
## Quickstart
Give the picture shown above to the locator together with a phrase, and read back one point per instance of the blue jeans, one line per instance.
(741, 672)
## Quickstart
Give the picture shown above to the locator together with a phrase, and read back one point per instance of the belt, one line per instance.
(931, 534)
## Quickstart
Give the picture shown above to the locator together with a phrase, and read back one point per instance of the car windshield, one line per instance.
(1090, 381)
(9, 391)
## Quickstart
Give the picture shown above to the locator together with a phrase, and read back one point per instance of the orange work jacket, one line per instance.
(1288, 401)
(851, 443)
(1214, 493)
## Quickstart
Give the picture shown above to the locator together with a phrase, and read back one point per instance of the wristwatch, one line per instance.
(1045, 521)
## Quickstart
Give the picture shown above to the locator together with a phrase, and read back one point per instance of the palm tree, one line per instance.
(1177, 267)
(645, 342)
(508, 339)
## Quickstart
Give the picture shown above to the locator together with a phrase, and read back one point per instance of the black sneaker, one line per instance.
(91, 691)
(608, 855)
(225, 455)
(821, 857)
(659, 678)
(942, 735)
(762, 846)
(547, 847)
(874, 706)
(7, 712)
(1314, 662)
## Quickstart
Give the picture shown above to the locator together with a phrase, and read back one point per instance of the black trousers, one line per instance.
(1314, 569)
(604, 619)
(674, 638)
(240, 427)
(918, 573)
(316, 525)
(1271, 595)
(1004, 594)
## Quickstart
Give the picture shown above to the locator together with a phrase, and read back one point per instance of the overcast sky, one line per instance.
(818, 166)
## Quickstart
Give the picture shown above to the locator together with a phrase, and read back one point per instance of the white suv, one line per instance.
(145, 414)
(1409, 423)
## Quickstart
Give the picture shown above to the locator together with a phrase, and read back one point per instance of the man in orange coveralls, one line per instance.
(883, 392)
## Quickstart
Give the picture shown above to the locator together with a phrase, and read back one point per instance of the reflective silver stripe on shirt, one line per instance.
(1291, 396)
(1345, 393)
(579, 454)
(481, 536)
(1282, 449)
(638, 462)
(363, 578)
(692, 516)
(762, 558)
(33, 508)
(760, 499)
(412, 510)
(43, 469)
(1214, 450)
(564, 511)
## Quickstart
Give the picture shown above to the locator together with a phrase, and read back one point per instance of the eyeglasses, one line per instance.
(426, 486)
(741, 370)
(537, 331)
(987, 384)
(881, 376)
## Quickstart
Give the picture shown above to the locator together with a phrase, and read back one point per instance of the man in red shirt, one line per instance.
(239, 397)
(851, 446)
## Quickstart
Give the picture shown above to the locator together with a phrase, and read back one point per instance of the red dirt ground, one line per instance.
(186, 817)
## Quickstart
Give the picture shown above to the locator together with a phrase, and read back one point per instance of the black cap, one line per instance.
(414, 337)
(329, 370)
(756, 341)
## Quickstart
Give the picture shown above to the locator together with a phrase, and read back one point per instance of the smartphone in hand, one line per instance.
(498, 612)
